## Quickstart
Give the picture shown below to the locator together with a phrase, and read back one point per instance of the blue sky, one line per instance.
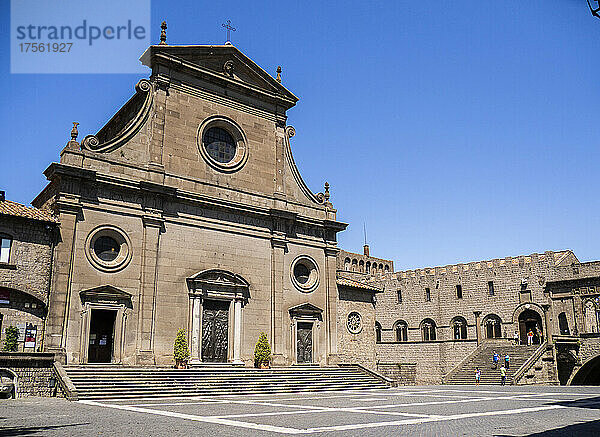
(456, 131)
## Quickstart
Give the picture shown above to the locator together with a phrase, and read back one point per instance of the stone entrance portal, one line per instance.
(304, 343)
(102, 336)
(530, 320)
(215, 331)
(215, 295)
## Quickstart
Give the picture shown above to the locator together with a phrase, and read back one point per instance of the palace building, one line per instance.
(186, 210)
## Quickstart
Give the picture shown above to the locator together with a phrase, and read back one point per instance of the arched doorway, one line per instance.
(530, 320)
(588, 374)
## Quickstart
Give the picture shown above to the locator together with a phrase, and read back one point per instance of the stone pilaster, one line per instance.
(478, 326)
(153, 226)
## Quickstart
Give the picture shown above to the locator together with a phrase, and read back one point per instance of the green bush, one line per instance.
(180, 348)
(262, 350)
(11, 339)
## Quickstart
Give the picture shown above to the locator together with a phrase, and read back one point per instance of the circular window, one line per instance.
(108, 248)
(219, 144)
(222, 144)
(305, 274)
(354, 322)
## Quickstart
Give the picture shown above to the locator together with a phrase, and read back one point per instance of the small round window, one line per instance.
(305, 274)
(108, 248)
(222, 143)
(354, 322)
(219, 144)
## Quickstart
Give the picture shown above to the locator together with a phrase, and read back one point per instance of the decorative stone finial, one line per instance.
(279, 74)
(163, 33)
(326, 194)
(74, 131)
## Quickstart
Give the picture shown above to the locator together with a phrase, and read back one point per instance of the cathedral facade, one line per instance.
(186, 210)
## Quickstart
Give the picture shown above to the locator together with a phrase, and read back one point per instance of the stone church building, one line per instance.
(186, 210)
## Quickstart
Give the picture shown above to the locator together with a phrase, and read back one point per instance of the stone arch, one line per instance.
(401, 330)
(459, 328)
(347, 264)
(524, 307)
(378, 332)
(361, 266)
(492, 325)
(563, 324)
(428, 330)
(368, 267)
(354, 265)
(588, 373)
(565, 363)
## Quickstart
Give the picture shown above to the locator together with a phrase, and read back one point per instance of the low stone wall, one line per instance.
(402, 373)
(33, 370)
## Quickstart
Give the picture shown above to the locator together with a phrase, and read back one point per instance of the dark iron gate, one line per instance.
(215, 324)
(304, 343)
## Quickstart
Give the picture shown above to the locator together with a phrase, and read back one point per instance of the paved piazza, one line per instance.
(435, 410)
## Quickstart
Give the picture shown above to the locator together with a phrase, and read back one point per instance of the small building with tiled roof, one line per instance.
(27, 239)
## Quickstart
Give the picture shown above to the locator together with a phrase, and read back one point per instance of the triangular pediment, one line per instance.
(224, 62)
(218, 277)
(306, 309)
(104, 293)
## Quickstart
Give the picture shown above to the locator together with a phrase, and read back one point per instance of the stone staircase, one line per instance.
(482, 358)
(118, 382)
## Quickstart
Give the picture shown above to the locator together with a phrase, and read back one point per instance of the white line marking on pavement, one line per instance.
(215, 420)
(286, 430)
(429, 419)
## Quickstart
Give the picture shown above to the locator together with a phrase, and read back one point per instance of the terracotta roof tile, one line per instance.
(8, 207)
(356, 284)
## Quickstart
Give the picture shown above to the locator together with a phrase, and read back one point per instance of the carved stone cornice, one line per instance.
(152, 221)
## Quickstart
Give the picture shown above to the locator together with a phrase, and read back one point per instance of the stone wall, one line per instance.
(402, 373)
(25, 278)
(356, 348)
(34, 372)
(433, 359)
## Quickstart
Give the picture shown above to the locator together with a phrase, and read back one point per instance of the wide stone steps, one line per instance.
(116, 382)
(483, 359)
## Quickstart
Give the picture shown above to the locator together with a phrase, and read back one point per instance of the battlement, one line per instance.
(548, 258)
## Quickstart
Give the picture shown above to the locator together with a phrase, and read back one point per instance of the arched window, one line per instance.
(401, 330)
(368, 267)
(380, 268)
(387, 268)
(459, 328)
(563, 324)
(354, 265)
(361, 266)
(377, 332)
(374, 271)
(347, 264)
(493, 326)
(428, 330)
(5, 244)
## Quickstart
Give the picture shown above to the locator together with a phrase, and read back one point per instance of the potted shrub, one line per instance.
(262, 352)
(181, 352)
(11, 338)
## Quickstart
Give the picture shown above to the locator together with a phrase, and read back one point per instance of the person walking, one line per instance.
(507, 361)
(502, 375)
(516, 338)
(477, 375)
(495, 359)
(530, 338)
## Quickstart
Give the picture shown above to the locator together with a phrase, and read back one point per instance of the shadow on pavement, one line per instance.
(593, 403)
(33, 430)
(584, 429)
